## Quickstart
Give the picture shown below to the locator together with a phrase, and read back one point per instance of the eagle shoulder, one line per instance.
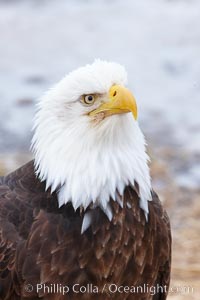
(42, 243)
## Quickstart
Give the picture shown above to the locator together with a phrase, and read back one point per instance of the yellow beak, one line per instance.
(120, 101)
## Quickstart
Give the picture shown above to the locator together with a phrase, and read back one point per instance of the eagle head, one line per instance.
(87, 143)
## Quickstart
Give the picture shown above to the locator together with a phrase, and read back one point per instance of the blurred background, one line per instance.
(158, 41)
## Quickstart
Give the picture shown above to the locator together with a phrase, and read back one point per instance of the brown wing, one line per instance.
(9, 238)
(163, 231)
(15, 221)
(42, 244)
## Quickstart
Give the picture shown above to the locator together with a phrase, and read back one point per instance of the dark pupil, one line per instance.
(90, 98)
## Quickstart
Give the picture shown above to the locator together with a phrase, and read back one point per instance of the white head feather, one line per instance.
(89, 163)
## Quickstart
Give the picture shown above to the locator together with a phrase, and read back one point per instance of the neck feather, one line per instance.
(89, 165)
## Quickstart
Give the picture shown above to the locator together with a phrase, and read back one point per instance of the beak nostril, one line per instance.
(114, 94)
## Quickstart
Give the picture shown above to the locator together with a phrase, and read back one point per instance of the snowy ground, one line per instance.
(158, 41)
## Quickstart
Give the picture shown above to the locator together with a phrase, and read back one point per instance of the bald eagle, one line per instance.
(81, 220)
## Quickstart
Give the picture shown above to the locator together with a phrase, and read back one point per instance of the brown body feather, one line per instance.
(42, 243)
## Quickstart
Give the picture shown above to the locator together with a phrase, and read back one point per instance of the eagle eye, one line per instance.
(88, 99)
